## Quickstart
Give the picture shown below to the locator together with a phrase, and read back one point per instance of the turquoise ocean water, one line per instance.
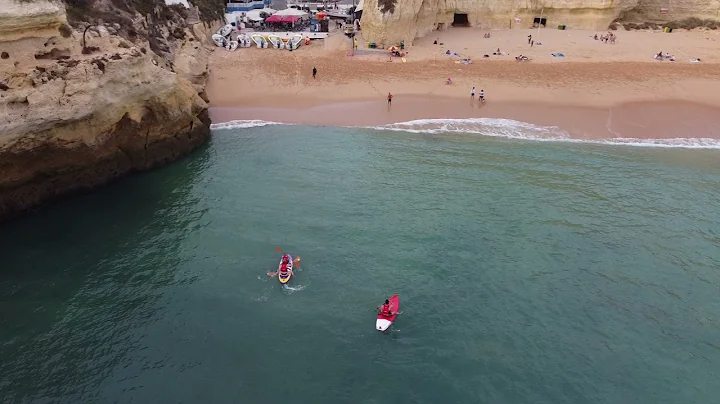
(528, 272)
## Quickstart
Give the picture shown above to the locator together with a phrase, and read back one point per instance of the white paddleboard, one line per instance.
(381, 324)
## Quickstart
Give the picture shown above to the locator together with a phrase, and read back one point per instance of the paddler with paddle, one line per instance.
(284, 264)
(386, 309)
(387, 313)
(284, 268)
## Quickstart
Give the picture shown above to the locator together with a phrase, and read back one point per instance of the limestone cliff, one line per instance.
(677, 10)
(23, 19)
(390, 21)
(76, 116)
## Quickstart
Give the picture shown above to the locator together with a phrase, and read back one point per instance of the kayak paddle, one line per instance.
(296, 260)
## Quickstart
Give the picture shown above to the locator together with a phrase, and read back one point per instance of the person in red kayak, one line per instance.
(386, 309)
(284, 265)
(284, 268)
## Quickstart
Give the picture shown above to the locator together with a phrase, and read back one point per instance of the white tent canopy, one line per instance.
(172, 2)
(255, 15)
(291, 11)
(360, 5)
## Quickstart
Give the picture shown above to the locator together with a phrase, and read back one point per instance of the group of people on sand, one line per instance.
(664, 56)
(481, 96)
(609, 38)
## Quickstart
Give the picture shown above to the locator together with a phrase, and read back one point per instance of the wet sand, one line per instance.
(644, 120)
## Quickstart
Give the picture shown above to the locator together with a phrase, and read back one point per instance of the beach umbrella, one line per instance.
(274, 18)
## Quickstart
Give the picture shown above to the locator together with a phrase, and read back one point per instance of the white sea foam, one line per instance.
(292, 289)
(511, 129)
(241, 124)
(686, 143)
(505, 128)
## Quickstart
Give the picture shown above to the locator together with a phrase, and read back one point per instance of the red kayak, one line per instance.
(384, 322)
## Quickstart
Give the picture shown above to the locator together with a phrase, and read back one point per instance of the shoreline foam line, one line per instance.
(499, 128)
(244, 123)
(518, 130)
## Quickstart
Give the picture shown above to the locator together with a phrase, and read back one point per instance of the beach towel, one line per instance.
(558, 55)
(404, 61)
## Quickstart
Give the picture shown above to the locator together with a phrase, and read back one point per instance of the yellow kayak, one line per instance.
(285, 278)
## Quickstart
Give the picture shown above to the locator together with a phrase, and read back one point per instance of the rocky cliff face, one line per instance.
(27, 19)
(74, 117)
(649, 10)
(390, 21)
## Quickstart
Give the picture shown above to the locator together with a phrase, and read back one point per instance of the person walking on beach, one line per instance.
(481, 97)
(389, 98)
(529, 39)
(472, 93)
(314, 72)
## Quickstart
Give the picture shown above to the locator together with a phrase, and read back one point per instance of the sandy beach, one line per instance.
(597, 90)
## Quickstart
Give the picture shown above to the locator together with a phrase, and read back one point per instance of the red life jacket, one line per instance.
(283, 267)
(386, 309)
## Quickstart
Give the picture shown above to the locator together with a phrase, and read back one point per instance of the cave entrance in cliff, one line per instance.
(460, 20)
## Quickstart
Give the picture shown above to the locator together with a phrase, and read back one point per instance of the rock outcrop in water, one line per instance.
(74, 117)
(391, 21)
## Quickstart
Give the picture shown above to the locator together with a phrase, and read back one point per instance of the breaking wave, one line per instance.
(503, 128)
(506, 128)
(511, 129)
(241, 124)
